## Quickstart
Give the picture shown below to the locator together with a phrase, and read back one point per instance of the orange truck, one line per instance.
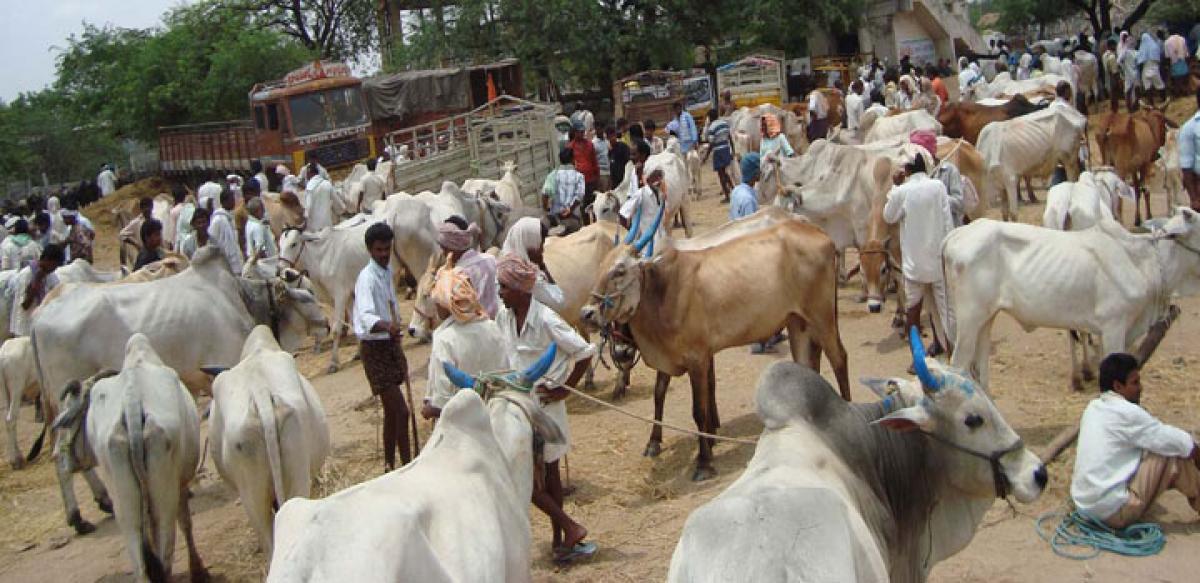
(319, 107)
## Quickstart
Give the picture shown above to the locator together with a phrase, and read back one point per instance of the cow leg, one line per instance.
(589, 380)
(1140, 178)
(714, 420)
(966, 342)
(831, 342)
(1090, 363)
(797, 329)
(701, 411)
(983, 351)
(1029, 187)
(196, 570)
(339, 326)
(10, 427)
(654, 446)
(99, 493)
(687, 225)
(1012, 193)
(66, 486)
(1076, 376)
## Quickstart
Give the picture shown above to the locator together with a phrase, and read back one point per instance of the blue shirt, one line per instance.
(1189, 144)
(687, 133)
(743, 202)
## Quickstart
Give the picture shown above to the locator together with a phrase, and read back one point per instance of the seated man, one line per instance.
(529, 328)
(467, 339)
(1126, 458)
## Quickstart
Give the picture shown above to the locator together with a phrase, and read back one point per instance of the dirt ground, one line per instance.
(635, 507)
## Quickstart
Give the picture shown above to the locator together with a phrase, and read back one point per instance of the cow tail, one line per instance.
(135, 428)
(36, 449)
(266, 413)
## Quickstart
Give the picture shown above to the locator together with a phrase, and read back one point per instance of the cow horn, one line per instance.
(539, 368)
(648, 236)
(457, 377)
(928, 380)
(634, 225)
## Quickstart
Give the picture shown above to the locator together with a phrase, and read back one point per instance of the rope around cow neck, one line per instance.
(1078, 529)
(592, 399)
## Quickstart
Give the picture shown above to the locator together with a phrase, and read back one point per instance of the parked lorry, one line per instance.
(754, 80)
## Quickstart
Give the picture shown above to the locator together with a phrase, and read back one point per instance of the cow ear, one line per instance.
(907, 419)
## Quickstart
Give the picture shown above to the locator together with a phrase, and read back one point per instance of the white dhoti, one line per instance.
(940, 310)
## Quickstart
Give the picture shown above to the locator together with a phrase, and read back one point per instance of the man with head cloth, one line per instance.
(527, 239)
(467, 339)
(529, 328)
(457, 240)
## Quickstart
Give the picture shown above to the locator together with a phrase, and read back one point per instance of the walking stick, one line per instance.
(412, 415)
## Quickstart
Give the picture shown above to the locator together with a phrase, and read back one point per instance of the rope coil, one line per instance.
(1080, 530)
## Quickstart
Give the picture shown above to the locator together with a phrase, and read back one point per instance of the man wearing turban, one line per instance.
(457, 240)
(467, 339)
(529, 328)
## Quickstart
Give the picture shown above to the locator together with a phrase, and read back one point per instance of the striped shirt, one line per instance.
(717, 134)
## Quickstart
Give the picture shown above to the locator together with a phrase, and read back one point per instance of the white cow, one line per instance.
(1102, 281)
(1089, 74)
(676, 177)
(18, 381)
(198, 318)
(840, 492)
(486, 211)
(1005, 87)
(412, 223)
(507, 189)
(833, 185)
(1169, 172)
(1029, 146)
(745, 126)
(1077, 206)
(268, 431)
(901, 124)
(141, 427)
(333, 258)
(694, 162)
(470, 486)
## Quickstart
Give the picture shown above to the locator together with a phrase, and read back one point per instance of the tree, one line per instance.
(1033, 13)
(331, 29)
(1099, 13)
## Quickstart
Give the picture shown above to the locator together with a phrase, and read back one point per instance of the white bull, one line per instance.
(18, 381)
(1077, 206)
(676, 177)
(1028, 146)
(1102, 281)
(745, 126)
(507, 189)
(195, 319)
(268, 431)
(470, 485)
(141, 427)
(834, 492)
(412, 223)
(486, 211)
(333, 258)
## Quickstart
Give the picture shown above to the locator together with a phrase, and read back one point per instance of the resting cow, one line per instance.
(867, 492)
(670, 303)
(198, 318)
(1103, 281)
(268, 431)
(507, 189)
(459, 512)
(141, 427)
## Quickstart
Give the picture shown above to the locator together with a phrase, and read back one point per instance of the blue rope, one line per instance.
(1077, 529)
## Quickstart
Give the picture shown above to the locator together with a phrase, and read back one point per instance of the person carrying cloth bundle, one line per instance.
(457, 240)
(467, 339)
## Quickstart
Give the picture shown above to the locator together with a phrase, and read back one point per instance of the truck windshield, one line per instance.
(324, 111)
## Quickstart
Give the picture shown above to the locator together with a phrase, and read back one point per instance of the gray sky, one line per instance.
(30, 29)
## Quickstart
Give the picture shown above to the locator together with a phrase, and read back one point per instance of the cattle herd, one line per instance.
(835, 491)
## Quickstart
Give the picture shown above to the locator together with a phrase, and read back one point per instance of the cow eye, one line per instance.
(973, 421)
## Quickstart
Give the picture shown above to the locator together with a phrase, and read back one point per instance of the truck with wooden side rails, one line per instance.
(754, 80)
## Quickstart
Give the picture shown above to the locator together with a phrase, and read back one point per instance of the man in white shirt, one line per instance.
(106, 180)
(260, 240)
(818, 115)
(373, 189)
(854, 105)
(19, 247)
(30, 287)
(467, 339)
(318, 197)
(223, 234)
(645, 198)
(1125, 457)
(529, 328)
(377, 324)
(207, 195)
(526, 239)
(922, 207)
(256, 168)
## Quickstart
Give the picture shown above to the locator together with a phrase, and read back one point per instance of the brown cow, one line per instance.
(966, 120)
(684, 306)
(1129, 143)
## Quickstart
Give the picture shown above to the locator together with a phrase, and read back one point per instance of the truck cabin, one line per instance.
(314, 108)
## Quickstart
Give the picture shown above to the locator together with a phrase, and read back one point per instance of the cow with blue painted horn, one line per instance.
(859, 492)
(671, 305)
(459, 512)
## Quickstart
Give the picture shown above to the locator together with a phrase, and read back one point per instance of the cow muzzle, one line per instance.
(874, 305)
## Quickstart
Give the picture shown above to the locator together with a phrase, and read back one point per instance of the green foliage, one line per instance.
(331, 29)
(1021, 13)
(1174, 11)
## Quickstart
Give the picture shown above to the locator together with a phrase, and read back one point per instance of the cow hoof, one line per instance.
(332, 369)
(1076, 384)
(17, 463)
(703, 473)
(1088, 375)
(80, 525)
(105, 506)
(652, 449)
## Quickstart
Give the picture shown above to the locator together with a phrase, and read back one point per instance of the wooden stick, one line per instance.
(1143, 353)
